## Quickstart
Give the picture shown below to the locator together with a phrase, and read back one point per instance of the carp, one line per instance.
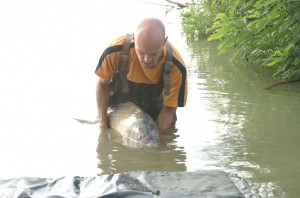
(135, 125)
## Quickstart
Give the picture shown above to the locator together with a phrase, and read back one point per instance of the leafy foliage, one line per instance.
(265, 32)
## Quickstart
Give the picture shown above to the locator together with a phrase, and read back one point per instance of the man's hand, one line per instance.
(103, 124)
(165, 118)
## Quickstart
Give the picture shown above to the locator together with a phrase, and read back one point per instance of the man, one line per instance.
(146, 76)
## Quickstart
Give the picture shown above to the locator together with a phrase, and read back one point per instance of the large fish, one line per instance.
(135, 125)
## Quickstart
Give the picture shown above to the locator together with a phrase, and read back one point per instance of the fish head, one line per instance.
(145, 132)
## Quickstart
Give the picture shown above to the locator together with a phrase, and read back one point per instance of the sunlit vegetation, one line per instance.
(263, 32)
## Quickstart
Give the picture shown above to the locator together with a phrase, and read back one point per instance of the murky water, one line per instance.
(49, 51)
(256, 130)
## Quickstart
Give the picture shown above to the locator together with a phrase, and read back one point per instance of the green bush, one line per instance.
(265, 32)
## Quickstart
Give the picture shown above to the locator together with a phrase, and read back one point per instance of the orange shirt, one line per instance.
(108, 66)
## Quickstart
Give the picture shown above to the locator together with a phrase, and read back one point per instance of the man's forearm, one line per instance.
(102, 96)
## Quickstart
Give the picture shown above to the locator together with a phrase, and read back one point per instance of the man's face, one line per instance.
(149, 51)
(149, 57)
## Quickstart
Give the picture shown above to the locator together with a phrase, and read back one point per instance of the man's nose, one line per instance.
(147, 59)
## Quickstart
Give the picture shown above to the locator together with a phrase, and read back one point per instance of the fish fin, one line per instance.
(86, 121)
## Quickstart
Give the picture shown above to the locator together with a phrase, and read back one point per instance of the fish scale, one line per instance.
(134, 124)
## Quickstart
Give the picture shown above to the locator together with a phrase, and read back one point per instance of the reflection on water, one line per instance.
(257, 130)
(115, 157)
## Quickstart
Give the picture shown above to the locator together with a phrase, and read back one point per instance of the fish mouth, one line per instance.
(151, 145)
(143, 141)
(148, 142)
(140, 144)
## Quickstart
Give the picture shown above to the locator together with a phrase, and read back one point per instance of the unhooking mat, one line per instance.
(210, 184)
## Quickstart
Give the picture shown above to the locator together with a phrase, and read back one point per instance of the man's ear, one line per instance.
(166, 39)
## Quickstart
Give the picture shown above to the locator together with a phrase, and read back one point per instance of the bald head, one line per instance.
(149, 38)
(151, 28)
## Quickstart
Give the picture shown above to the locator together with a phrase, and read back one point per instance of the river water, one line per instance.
(49, 51)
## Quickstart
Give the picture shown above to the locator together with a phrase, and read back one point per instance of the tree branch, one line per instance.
(180, 5)
(281, 83)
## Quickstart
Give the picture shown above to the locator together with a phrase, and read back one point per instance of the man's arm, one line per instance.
(102, 96)
(165, 118)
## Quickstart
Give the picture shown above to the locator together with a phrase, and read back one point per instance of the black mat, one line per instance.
(210, 184)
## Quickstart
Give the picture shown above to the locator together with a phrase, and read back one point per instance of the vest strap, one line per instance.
(168, 68)
(124, 62)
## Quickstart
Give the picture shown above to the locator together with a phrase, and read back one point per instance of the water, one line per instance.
(256, 130)
(49, 51)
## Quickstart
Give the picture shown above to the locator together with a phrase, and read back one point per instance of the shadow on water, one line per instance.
(258, 129)
(115, 157)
